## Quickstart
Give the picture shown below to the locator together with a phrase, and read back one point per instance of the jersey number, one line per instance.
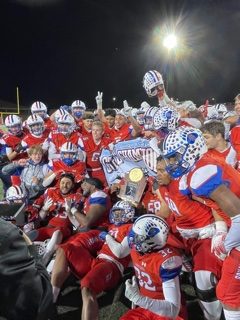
(144, 279)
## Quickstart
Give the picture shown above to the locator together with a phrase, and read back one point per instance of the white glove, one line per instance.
(47, 204)
(127, 110)
(68, 205)
(132, 290)
(217, 244)
(145, 105)
(28, 227)
(207, 232)
(99, 100)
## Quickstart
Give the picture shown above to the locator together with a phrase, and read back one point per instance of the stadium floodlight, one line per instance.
(170, 41)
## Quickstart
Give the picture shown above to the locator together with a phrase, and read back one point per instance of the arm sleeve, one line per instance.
(47, 181)
(166, 308)
(120, 250)
(52, 152)
(10, 168)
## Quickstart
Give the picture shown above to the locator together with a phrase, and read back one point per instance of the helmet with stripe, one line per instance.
(15, 193)
(35, 124)
(122, 212)
(149, 118)
(221, 109)
(14, 124)
(39, 108)
(69, 153)
(60, 112)
(149, 233)
(78, 108)
(65, 124)
(141, 112)
(152, 81)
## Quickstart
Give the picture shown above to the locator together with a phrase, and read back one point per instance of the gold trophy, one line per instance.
(133, 187)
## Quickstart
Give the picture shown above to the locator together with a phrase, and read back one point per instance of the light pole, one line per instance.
(114, 100)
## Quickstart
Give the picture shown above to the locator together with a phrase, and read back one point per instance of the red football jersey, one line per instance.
(48, 123)
(9, 142)
(55, 140)
(122, 134)
(207, 175)
(57, 214)
(151, 202)
(31, 140)
(148, 268)
(189, 214)
(229, 155)
(93, 152)
(235, 140)
(78, 168)
(118, 233)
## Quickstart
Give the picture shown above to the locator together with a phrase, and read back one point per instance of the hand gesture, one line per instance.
(47, 204)
(68, 205)
(99, 100)
(22, 162)
(127, 110)
(35, 180)
(132, 290)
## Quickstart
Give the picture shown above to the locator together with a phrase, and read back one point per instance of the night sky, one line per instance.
(58, 51)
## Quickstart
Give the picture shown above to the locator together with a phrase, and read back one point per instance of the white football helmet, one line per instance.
(152, 80)
(149, 233)
(69, 153)
(78, 108)
(39, 108)
(66, 124)
(186, 145)
(166, 118)
(35, 125)
(122, 212)
(211, 114)
(141, 112)
(187, 105)
(221, 109)
(15, 194)
(148, 118)
(14, 124)
(60, 112)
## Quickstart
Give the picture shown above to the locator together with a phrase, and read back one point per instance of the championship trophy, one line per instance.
(133, 186)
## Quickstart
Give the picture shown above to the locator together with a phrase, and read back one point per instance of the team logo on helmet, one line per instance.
(149, 233)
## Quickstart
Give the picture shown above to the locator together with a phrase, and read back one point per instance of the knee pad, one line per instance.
(208, 294)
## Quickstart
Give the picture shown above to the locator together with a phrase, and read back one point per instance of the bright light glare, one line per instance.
(170, 41)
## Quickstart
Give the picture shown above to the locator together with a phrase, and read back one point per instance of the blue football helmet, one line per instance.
(122, 212)
(166, 118)
(182, 148)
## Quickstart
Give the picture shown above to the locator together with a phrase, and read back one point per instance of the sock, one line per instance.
(232, 314)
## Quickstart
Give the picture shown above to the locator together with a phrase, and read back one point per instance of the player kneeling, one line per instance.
(155, 288)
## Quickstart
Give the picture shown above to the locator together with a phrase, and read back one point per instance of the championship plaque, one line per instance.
(132, 188)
